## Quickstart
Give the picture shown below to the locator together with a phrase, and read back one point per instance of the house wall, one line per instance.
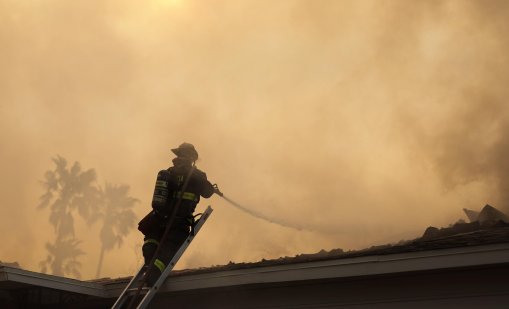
(481, 287)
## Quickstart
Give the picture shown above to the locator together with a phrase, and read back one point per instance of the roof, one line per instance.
(447, 239)
(488, 246)
(483, 246)
(334, 268)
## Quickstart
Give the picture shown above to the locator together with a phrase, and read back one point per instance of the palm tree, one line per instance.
(62, 257)
(117, 218)
(67, 190)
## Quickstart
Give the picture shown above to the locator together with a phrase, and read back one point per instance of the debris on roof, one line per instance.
(457, 228)
(471, 214)
(489, 215)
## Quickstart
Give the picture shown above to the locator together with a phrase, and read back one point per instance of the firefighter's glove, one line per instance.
(216, 190)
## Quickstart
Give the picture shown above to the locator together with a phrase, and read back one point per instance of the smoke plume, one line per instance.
(361, 122)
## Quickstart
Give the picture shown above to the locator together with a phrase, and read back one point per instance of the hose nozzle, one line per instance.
(216, 190)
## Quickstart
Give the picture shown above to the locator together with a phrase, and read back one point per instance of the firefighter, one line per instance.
(171, 187)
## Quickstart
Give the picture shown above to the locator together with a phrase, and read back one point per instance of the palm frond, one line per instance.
(117, 215)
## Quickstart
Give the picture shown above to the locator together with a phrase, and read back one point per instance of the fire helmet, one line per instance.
(186, 150)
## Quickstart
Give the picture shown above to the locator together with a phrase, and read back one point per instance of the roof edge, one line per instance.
(338, 268)
(50, 281)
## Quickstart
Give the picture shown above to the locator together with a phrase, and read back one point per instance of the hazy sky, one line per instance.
(363, 121)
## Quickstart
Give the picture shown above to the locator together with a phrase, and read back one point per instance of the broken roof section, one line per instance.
(487, 216)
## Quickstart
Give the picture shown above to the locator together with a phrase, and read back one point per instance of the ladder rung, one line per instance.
(143, 289)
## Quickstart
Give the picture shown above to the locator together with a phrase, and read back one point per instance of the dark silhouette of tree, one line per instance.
(117, 217)
(62, 257)
(67, 190)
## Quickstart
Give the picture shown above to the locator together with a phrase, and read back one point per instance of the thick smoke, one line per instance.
(464, 134)
(362, 122)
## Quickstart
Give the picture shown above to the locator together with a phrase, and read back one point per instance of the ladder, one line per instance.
(147, 293)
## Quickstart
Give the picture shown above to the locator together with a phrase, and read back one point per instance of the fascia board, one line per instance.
(53, 282)
(344, 268)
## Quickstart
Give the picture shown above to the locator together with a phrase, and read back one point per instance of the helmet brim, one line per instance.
(184, 153)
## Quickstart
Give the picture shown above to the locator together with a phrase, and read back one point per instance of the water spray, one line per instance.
(255, 213)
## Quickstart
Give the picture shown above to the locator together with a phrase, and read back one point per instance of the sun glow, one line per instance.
(167, 3)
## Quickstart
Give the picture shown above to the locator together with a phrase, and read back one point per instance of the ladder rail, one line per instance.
(150, 294)
(124, 296)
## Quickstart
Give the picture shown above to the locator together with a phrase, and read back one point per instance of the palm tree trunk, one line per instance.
(100, 265)
(56, 267)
